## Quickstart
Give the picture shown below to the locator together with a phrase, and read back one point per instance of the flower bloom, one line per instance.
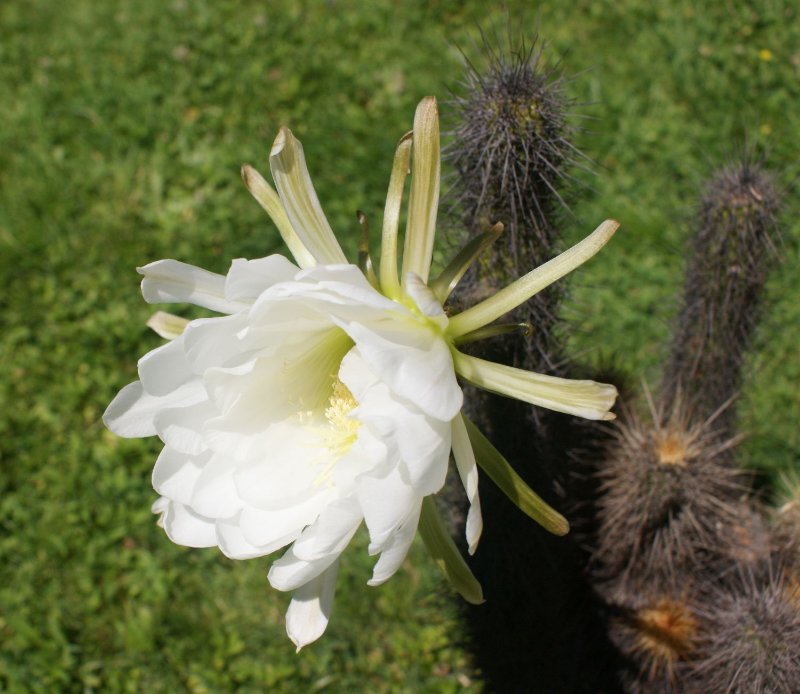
(326, 394)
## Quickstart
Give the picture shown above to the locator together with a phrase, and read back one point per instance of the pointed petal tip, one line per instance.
(559, 526)
(253, 180)
(284, 135)
(609, 227)
(429, 102)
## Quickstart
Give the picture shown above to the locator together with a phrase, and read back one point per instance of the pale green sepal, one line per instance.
(494, 331)
(423, 201)
(272, 205)
(446, 554)
(525, 287)
(582, 398)
(364, 258)
(390, 282)
(289, 170)
(446, 282)
(512, 485)
(167, 325)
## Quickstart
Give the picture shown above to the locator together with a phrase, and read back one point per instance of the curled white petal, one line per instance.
(171, 281)
(132, 412)
(290, 572)
(468, 472)
(247, 279)
(185, 527)
(310, 608)
(396, 548)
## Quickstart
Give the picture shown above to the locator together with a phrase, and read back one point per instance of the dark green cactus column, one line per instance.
(702, 593)
(513, 156)
(731, 254)
(512, 152)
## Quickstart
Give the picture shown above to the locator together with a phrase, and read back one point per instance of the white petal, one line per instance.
(181, 428)
(468, 472)
(339, 290)
(396, 549)
(300, 201)
(164, 369)
(184, 527)
(425, 299)
(355, 374)
(171, 281)
(289, 572)
(284, 467)
(310, 608)
(175, 474)
(276, 528)
(322, 538)
(247, 279)
(293, 378)
(415, 363)
(132, 412)
(420, 442)
(232, 542)
(159, 506)
(386, 503)
(215, 494)
(425, 450)
(210, 342)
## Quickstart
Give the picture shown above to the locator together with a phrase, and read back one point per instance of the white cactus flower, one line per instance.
(327, 396)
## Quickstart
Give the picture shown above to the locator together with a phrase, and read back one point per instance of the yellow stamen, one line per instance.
(341, 431)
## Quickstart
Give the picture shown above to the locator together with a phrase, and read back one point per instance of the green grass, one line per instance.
(122, 129)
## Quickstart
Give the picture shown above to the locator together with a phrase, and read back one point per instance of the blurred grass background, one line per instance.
(122, 129)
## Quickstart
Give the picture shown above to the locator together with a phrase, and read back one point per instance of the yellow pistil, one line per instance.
(343, 429)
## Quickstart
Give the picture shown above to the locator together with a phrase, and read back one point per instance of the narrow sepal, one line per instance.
(364, 258)
(484, 333)
(272, 205)
(390, 282)
(423, 200)
(525, 287)
(446, 554)
(492, 462)
(582, 398)
(447, 281)
(288, 164)
(167, 325)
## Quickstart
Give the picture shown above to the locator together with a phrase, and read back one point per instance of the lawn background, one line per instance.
(122, 129)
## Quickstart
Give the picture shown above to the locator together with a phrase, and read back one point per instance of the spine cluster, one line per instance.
(682, 580)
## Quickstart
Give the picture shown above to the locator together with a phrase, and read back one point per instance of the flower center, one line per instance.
(341, 431)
